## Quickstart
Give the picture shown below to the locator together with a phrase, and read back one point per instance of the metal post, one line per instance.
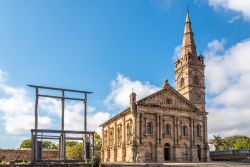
(85, 127)
(85, 112)
(83, 148)
(93, 145)
(36, 126)
(32, 148)
(62, 143)
(62, 110)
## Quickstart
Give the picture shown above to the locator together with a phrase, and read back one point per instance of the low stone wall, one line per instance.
(230, 155)
(50, 165)
(25, 155)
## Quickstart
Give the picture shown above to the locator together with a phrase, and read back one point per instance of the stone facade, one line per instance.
(169, 125)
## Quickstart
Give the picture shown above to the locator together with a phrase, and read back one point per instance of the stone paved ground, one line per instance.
(207, 164)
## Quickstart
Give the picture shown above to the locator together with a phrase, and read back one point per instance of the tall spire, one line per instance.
(188, 45)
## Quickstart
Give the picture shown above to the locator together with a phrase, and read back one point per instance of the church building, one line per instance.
(169, 125)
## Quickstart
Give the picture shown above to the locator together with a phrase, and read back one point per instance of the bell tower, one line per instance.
(189, 69)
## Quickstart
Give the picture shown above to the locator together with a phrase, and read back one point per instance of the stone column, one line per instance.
(206, 147)
(115, 142)
(103, 146)
(205, 129)
(123, 139)
(191, 137)
(175, 129)
(108, 143)
(161, 128)
(157, 129)
(140, 128)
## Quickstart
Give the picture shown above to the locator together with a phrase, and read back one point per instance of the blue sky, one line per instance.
(110, 47)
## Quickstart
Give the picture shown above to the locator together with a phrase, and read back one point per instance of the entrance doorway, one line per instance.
(199, 152)
(167, 152)
(149, 152)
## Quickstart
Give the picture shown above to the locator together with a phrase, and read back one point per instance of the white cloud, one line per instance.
(74, 117)
(74, 114)
(234, 19)
(162, 4)
(177, 53)
(17, 111)
(20, 124)
(97, 119)
(121, 88)
(228, 80)
(241, 7)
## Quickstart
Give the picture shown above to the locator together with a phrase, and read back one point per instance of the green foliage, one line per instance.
(98, 142)
(23, 163)
(217, 141)
(26, 144)
(2, 162)
(74, 150)
(71, 143)
(95, 161)
(236, 142)
(45, 144)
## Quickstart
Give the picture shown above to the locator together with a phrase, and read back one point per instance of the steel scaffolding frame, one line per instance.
(61, 135)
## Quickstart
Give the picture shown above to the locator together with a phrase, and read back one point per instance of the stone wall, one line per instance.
(71, 164)
(25, 155)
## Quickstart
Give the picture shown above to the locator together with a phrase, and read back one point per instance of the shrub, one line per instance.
(95, 161)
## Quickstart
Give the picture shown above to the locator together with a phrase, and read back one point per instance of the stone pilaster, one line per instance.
(123, 139)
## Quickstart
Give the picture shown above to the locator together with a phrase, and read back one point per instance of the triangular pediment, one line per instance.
(168, 97)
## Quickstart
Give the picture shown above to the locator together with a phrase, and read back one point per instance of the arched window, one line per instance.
(119, 134)
(149, 128)
(196, 80)
(129, 132)
(105, 138)
(111, 136)
(168, 129)
(182, 82)
(185, 130)
(198, 130)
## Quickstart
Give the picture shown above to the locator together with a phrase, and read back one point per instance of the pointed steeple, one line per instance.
(188, 45)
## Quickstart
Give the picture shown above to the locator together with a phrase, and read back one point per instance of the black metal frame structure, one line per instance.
(61, 135)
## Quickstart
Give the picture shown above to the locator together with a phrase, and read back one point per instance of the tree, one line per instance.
(48, 145)
(218, 142)
(26, 144)
(98, 142)
(236, 142)
(45, 144)
(74, 150)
